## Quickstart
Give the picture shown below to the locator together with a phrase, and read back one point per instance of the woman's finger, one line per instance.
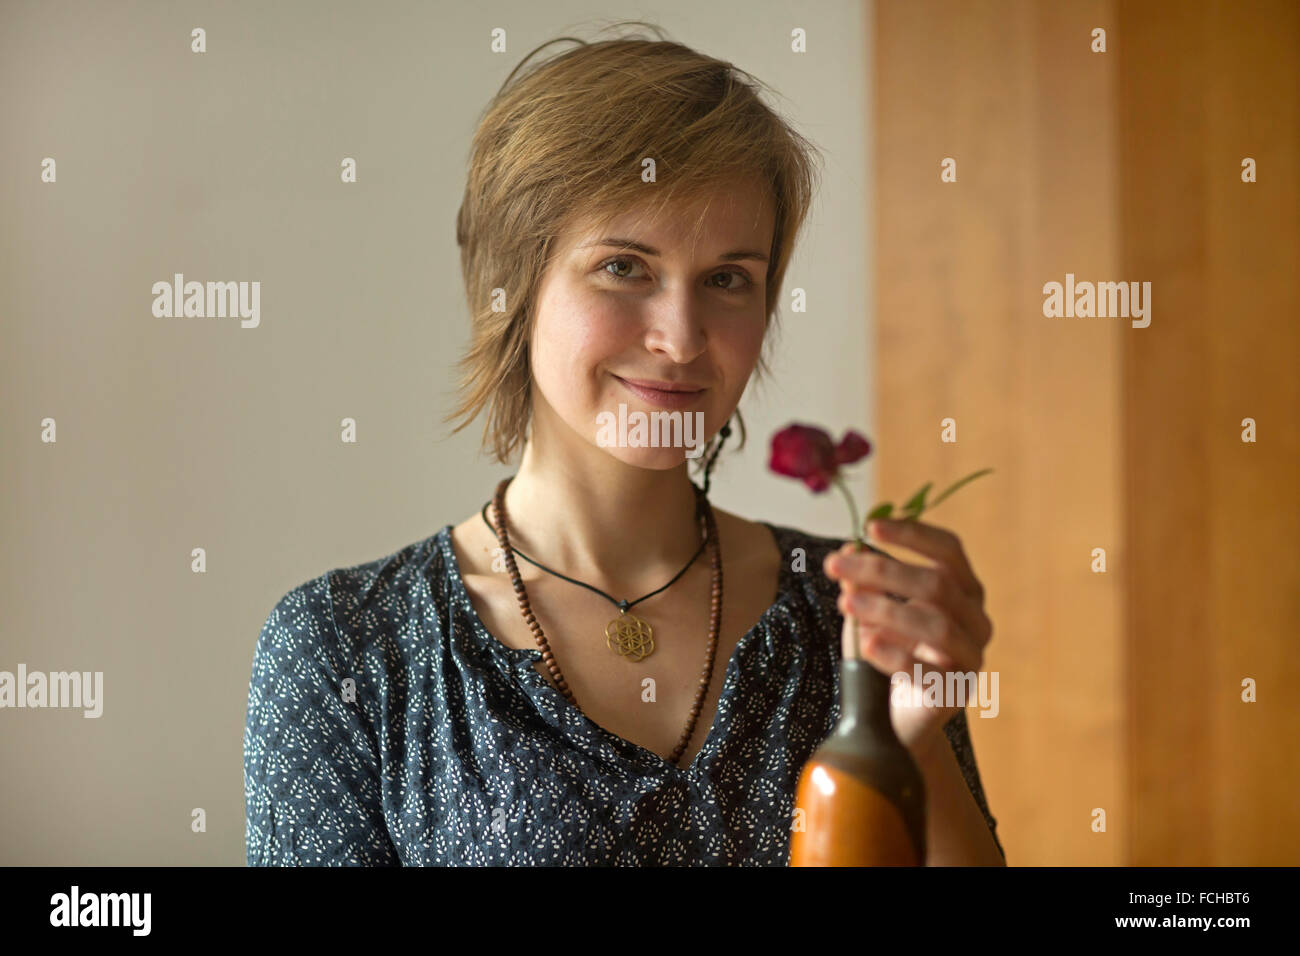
(885, 655)
(867, 571)
(933, 542)
(922, 630)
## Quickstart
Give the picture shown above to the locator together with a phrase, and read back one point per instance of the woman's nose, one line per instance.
(676, 328)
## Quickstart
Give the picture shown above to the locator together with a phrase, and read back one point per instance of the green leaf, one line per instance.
(916, 504)
(970, 477)
(883, 510)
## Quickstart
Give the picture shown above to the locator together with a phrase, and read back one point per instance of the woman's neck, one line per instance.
(598, 519)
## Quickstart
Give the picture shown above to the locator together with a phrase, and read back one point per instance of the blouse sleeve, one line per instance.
(958, 733)
(312, 793)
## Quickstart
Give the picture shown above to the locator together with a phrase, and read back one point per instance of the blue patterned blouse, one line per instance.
(386, 726)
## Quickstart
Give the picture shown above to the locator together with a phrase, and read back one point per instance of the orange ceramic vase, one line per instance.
(861, 798)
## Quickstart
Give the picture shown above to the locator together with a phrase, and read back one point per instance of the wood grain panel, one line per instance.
(1120, 690)
(1013, 93)
(1212, 521)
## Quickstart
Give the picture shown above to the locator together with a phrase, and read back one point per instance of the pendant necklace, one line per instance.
(628, 635)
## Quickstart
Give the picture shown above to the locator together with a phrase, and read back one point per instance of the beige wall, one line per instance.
(175, 434)
(1121, 690)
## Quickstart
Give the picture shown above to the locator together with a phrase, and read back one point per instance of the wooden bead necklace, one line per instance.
(632, 634)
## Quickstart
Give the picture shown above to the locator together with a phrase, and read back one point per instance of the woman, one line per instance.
(562, 677)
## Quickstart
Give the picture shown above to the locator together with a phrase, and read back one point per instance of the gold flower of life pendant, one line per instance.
(630, 636)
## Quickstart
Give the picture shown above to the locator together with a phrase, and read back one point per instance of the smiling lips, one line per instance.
(663, 394)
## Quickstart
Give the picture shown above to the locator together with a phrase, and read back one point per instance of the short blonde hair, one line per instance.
(565, 140)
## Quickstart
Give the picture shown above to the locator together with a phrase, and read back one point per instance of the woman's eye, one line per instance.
(618, 262)
(620, 271)
(733, 288)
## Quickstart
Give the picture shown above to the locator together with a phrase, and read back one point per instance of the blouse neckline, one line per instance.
(523, 659)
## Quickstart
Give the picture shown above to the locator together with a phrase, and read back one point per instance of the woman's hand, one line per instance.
(942, 626)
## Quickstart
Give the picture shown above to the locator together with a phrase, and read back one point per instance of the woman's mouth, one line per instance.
(662, 397)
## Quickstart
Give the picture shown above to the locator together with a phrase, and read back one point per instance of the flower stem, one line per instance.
(853, 511)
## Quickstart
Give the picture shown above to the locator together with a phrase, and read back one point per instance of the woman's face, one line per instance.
(663, 311)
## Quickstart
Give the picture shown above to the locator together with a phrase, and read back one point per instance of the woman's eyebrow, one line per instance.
(619, 243)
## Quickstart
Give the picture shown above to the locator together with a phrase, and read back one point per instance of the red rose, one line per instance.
(807, 453)
(852, 447)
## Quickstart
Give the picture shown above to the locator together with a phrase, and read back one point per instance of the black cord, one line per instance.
(725, 433)
(700, 495)
(622, 605)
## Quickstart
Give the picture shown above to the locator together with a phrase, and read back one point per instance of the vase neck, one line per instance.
(864, 698)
